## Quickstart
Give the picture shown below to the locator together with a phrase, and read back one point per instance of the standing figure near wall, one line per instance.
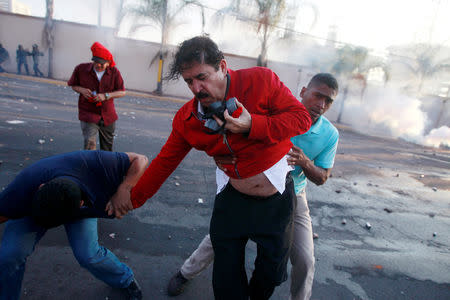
(98, 84)
(4, 56)
(35, 54)
(21, 58)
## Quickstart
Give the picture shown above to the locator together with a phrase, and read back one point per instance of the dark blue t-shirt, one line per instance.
(98, 174)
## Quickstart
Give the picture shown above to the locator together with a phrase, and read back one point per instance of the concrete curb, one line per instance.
(64, 83)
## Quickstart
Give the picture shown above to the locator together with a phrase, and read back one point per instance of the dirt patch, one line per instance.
(435, 182)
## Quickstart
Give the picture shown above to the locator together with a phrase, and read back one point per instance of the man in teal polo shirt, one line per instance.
(313, 157)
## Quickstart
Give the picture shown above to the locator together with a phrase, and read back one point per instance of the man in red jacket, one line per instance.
(98, 84)
(255, 198)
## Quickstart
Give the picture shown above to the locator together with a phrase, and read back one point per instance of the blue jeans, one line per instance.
(21, 236)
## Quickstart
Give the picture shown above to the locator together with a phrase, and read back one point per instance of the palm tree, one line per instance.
(49, 34)
(163, 14)
(292, 15)
(353, 64)
(350, 60)
(268, 14)
(424, 61)
(120, 14)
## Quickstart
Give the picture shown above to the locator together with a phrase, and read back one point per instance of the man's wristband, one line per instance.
(106, 96)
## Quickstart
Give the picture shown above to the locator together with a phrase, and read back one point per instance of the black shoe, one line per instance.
(177, 284)
(134, 291)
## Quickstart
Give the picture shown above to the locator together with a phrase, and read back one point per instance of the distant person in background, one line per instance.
(35, 54)
(4, 56)
(21, 58)
(98, 84)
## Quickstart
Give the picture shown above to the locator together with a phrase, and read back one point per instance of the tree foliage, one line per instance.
(262, 15)
(423, 61)
(163, 15)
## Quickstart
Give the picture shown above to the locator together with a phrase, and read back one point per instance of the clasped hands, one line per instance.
(87, 93)
(120, 203)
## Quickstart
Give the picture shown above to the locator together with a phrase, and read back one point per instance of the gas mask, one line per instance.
(217, 109)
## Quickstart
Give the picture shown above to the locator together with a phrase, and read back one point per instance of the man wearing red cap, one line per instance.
(98, 83)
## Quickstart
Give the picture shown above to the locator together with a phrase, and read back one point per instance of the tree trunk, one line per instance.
(118, 18)
(50, 62)
(341, 109)
(441, 112)
(159, 84)
(49, 35)
(262, 58)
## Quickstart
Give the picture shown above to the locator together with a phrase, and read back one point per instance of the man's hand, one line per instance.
(120, 203)
(296, 157)
(100, 98)
(241, 124)
(224, 160)
(87, 93)
(318, 175)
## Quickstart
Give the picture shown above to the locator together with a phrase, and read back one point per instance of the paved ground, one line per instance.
(401, 189)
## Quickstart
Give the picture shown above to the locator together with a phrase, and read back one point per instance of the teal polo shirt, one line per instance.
(319, 144)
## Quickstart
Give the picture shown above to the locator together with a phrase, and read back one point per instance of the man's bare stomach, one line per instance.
(257, 185)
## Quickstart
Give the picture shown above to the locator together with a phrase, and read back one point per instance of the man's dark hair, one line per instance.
(325, 78)
(200, 49)
(56, 203)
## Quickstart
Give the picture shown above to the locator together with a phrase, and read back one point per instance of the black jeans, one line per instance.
(268, 222)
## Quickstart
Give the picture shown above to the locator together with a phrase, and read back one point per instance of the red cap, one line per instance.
(99, 53)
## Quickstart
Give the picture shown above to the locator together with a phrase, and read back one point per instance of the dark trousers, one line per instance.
(19, 67)
(268, 222)
(37, 72)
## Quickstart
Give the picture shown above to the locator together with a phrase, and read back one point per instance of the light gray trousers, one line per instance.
(302, 254)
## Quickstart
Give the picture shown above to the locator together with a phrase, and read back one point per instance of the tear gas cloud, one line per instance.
(388, 112)
(438, 137)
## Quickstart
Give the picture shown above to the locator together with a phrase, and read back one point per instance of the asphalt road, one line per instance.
(401, 189)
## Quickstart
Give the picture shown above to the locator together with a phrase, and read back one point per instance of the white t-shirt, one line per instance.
(99, 75)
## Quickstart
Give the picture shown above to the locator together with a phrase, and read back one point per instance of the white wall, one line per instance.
(133, 57)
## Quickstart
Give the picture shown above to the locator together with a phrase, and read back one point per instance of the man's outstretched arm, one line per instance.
(120, 202)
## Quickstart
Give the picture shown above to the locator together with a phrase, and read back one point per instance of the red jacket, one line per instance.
(84, 75)
(276, 116)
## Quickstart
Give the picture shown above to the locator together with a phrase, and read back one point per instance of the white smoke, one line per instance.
(388, 112)
(438, 137)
